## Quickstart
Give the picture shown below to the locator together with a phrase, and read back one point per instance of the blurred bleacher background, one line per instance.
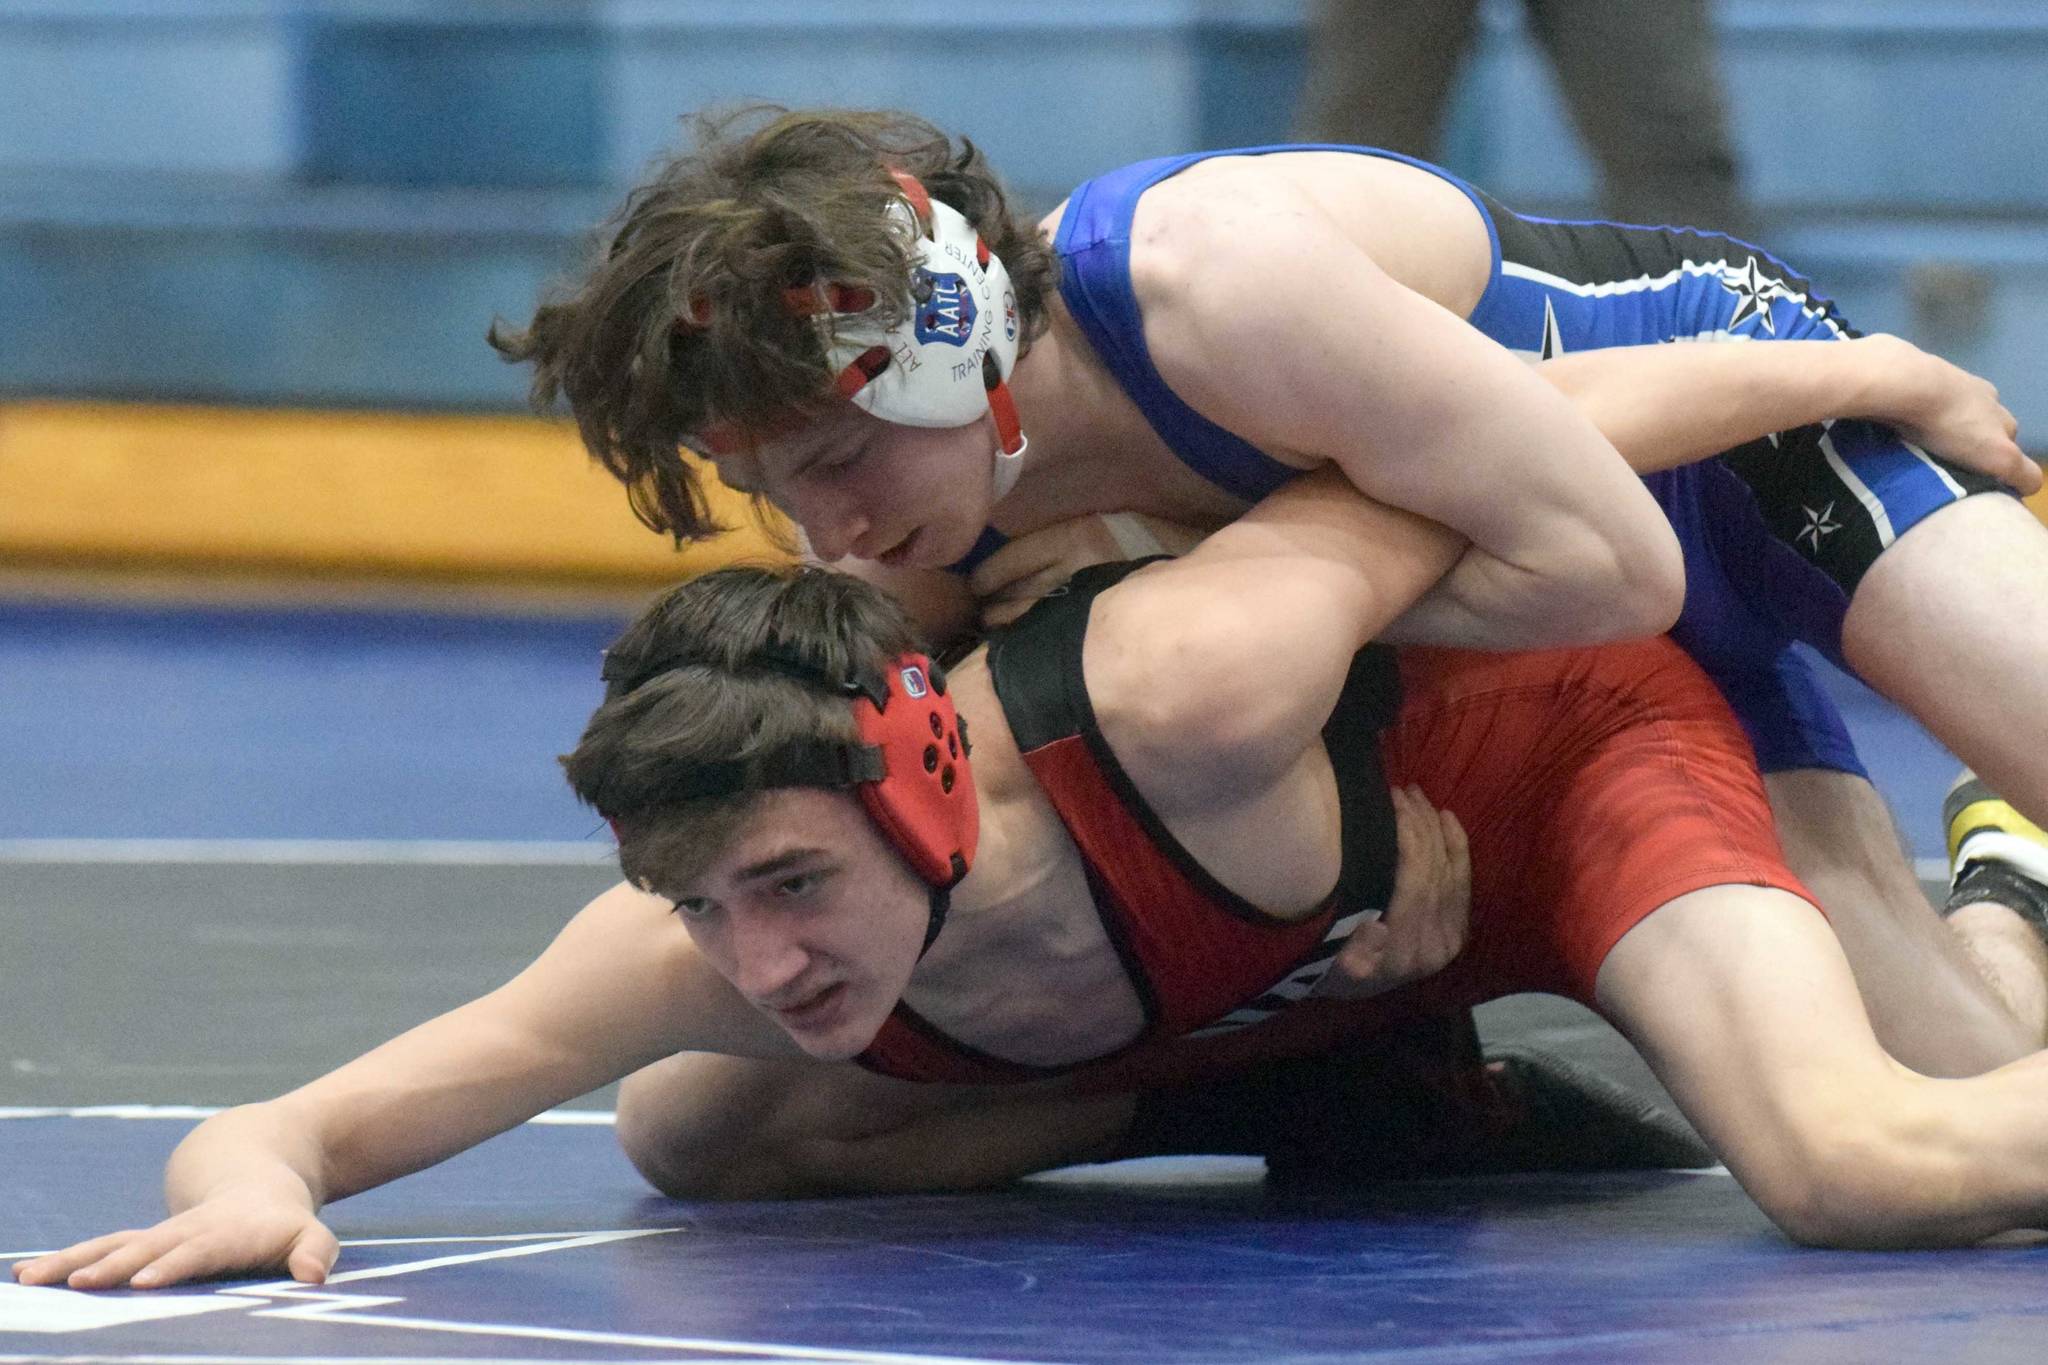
(248, 250)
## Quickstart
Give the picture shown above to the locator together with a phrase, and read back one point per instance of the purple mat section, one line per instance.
(1186, 1260)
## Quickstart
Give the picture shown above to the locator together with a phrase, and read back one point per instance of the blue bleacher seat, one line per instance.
(265, 201)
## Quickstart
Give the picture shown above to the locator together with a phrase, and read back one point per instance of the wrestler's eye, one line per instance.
(801, 884)
(696, 907)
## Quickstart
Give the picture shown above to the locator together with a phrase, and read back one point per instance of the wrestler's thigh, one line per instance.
(703, 1126)
(1951, 622)
(1741, 1001)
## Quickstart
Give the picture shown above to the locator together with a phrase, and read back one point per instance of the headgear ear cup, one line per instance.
(925, 802)
(944, 364)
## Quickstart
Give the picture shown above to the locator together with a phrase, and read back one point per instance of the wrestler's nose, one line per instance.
(767, 958)
(833, 523)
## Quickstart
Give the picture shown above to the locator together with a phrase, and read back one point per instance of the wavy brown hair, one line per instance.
(766, 199)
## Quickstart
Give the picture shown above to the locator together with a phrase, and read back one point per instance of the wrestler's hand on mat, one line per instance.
(1009, 581)
(1429, 915)
(236, 1231)
(1947, 411)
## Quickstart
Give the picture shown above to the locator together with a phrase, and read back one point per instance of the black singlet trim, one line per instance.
(1365, 805)
(939, 1038)
(1594, 251)
(1120, 940)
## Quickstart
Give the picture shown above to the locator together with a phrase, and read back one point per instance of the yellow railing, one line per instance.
(488, 498)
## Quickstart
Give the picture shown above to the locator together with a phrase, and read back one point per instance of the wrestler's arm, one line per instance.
(1270, 322)
(1663, 406)
(615, 991)
(1216, 671)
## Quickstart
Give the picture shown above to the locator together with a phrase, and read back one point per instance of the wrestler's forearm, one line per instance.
(1486, 603)
(1533, 597)
(1664, 406)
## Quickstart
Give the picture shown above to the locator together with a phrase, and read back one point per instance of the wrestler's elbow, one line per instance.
(1820, 1193)
(1620, 587)
(1651, 584)
(1868, 1168)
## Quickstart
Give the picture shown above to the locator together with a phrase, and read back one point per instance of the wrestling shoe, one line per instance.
(1994, 853)
(1569, 1117)
(1416, 1101)
(1523, 1111)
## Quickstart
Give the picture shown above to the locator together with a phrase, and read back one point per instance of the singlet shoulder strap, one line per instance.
(1371, 697)
(1035, 661)
(1093, 246)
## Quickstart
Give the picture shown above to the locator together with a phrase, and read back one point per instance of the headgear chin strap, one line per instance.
(945, 363)
(909, 768)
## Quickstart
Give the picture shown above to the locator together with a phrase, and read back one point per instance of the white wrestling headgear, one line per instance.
(945, 363)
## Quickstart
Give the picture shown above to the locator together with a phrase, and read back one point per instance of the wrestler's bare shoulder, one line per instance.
(1418, 227)
(1049, 226)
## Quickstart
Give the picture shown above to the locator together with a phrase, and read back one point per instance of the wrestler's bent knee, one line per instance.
(1859, 1178)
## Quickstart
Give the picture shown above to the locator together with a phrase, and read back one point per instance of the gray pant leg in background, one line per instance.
(1380, 71)
(1642, 79)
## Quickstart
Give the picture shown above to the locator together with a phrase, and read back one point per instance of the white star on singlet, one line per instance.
(1753, 291)
(1818, 524)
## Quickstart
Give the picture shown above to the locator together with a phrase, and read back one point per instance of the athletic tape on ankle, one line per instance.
(1999, 884)
(2017, 851)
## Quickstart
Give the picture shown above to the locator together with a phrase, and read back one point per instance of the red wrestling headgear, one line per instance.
(924, 795)
(909, 768)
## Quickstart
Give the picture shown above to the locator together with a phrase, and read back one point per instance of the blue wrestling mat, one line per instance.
(543, 1245)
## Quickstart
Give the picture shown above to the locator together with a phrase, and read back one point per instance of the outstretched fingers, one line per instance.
(58, 1266)
(107, 1262)
(197, 1244)
(218, 1252)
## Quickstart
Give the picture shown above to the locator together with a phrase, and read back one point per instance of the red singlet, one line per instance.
(1595, 784)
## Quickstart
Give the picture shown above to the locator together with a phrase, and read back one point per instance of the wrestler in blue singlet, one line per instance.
(1776, 534)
